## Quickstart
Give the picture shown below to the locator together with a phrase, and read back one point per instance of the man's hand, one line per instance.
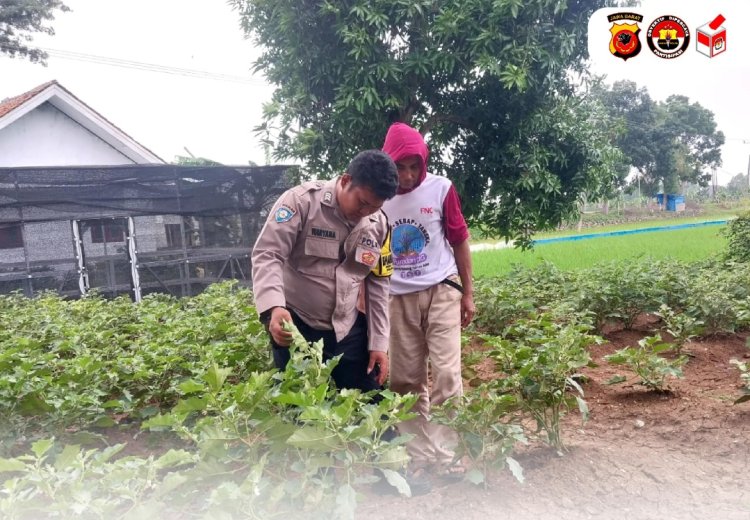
(281, 337)
(380, 359)
(467, 309)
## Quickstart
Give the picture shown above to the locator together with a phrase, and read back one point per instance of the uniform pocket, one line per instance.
(321, 257)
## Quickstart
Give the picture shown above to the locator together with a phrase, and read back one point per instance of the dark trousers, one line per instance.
(351, 372)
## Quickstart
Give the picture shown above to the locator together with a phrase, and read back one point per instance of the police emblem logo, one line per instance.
(368, 258)
(668, 37)
(365, 256)
(624, 42)
(284, 214)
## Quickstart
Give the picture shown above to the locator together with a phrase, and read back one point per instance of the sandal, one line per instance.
(452, 471)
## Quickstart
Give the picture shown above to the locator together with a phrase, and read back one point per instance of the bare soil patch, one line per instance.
(642, 455)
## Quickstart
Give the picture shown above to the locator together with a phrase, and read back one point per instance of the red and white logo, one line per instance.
(712, 37)
(668, 37)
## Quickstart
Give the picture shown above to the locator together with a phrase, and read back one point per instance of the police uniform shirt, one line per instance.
(310, 259)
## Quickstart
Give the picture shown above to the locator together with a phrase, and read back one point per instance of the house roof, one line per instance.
(12, 109)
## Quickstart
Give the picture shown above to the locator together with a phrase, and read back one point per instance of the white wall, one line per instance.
(47, 137)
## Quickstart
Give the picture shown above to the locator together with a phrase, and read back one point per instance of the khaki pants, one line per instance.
(426, 327)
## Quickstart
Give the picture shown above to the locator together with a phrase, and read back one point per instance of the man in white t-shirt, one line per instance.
(431, 293)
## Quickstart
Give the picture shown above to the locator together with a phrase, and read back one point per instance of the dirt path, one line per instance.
(641, 456)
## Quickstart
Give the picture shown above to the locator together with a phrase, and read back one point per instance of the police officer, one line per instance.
(320, 241)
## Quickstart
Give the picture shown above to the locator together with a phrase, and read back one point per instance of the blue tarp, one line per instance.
(628, 232)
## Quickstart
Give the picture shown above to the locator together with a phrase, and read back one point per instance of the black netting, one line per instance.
(43, 194)
(131, 229)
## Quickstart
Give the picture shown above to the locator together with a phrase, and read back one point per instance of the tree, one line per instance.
(738, 184)
(634, 123)
(488, 80)
(669, 142)
(19, 19)
(690, 145)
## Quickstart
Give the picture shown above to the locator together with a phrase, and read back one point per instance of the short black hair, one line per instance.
(374, 169)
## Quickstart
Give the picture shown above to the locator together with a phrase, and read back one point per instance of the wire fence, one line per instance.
(131, 230)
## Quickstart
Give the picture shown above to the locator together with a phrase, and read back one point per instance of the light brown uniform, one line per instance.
(310, 259)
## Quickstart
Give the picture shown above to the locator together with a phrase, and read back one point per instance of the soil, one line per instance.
(684, 454)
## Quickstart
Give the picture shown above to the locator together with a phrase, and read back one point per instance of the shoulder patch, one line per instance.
(284, 214)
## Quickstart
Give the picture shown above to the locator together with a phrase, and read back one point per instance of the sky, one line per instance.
(213, 115)
(720, 84)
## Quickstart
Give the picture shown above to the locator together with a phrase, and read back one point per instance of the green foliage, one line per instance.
(682, 327)
(647, 364)
(269, 443)
(738, 238)
(707, 298)
(540, 357)
(503, 300)
(488, 80)
(619, 290)
(93, 362)
(719, 297)
(20, 19)
(55, 481)
(745, 377)
(487, 433)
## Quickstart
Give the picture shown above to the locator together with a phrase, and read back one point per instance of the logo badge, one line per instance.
(668, 37)
(712, 37)
(363, 256)
(624, 42)
(284, 214)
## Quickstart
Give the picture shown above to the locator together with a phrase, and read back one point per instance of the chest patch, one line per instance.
(323, 233)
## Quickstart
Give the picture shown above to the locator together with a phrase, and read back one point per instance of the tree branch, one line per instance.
(438, 118)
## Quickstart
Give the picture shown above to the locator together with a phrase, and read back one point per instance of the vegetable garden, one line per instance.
(170, 407)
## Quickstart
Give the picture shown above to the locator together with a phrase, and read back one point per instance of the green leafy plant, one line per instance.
(680, 326)
(487, 433)
(541, 363)
(646, 363)
(738, 238)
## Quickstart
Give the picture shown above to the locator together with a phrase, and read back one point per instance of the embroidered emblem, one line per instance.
(368, 258)
(328, 197)
(284, 214)
(369, 242)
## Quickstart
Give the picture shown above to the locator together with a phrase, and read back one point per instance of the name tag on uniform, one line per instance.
(323, 233)
(366, 256)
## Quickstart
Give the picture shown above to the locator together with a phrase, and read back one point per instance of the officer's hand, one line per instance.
(380, 359)
(281, 337)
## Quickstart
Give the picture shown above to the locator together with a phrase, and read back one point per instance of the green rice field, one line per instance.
(684, 244)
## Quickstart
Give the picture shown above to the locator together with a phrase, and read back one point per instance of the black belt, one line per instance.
(453, 284)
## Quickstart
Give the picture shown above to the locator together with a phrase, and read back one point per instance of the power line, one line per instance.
(148, 67)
